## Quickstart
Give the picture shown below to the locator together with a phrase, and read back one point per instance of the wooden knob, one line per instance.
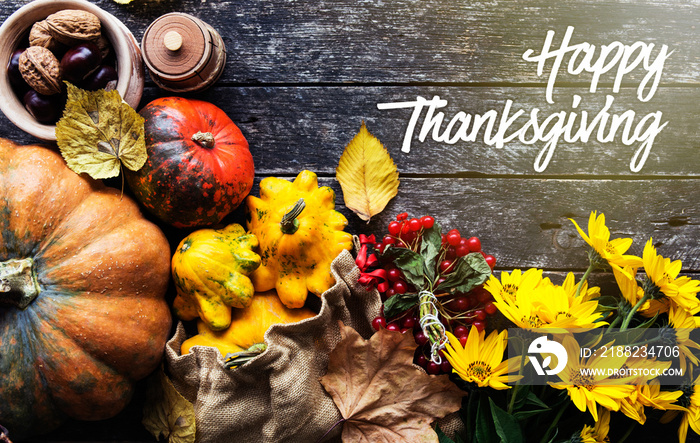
(172, 40)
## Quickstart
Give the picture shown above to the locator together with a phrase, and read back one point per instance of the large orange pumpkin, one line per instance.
(82, 282)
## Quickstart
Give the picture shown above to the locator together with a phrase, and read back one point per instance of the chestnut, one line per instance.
(44, 108)
(80, 61)
(100, 78)
(15, 77)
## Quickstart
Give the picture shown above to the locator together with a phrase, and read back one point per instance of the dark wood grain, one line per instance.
(524, 222)
(418, 41)
(281, 123)
(293, 127)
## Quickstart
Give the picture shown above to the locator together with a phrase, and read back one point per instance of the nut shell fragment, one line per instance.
(41, 70)
(102, 42)
(74, 26)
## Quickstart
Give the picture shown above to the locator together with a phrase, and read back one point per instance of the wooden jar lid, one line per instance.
(183, 53)
(174, 44)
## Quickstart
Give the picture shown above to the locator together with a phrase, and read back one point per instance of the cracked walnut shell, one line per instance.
(41, 70)
(74, 26)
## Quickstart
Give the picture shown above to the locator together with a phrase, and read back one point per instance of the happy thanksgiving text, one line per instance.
(568, 126)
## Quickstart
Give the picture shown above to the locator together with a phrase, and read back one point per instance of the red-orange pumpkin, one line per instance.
(199, 168)
(82, 282)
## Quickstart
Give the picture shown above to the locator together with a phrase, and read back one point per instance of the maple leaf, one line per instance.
(99, 132)
(381, 394)
(167, 414)
(367, 175)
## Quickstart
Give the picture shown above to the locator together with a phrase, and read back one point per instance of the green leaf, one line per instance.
(442, 437)
(485, 429)
(99, 132)
(470, 272)
(532, 399)
(166, 413)
(522, 392)
(506, 425)
(430, 250)
(399, 304)
(409, 262)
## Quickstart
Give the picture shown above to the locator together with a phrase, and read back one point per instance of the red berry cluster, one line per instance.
(458, 312)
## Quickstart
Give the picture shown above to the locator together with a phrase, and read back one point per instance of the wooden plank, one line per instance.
(524, 222)
(427, 41)
(308, 127)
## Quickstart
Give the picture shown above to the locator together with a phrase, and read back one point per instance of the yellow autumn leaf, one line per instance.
(99, 133)
(367, 175)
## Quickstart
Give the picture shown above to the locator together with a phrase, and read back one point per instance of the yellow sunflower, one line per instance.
(571, 288)
(663, 278)
(480, 361)
(632, 293)
(549, 306)
(681, 325)
(647, 392)
(587, 389)
(612, 251)
(510, 284)
(599, 432)
(688, 405)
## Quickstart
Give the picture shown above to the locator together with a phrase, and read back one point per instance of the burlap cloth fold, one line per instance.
(276, 397)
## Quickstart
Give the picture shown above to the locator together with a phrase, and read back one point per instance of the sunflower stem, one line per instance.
(516, 388)
(591, 265)
(554, 422)
(628, 432)
(471, 401)
(639, 304)
(615, 322)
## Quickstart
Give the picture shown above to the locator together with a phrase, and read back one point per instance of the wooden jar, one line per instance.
(183, 53)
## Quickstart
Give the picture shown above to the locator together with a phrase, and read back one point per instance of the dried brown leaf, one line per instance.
(381, 394)
(166, 413)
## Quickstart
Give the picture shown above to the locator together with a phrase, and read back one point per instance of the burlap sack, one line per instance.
(276, 397)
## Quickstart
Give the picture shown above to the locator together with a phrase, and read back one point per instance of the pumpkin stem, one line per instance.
(204, 139)
(289, 222)
(18, 282)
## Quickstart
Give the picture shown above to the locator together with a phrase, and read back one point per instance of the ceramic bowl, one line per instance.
(14, 32)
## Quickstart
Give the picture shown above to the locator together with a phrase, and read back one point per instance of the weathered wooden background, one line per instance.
(301, 76)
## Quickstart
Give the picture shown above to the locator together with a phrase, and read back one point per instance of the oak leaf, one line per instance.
(99, 132)
(381, 394)
(367, 175)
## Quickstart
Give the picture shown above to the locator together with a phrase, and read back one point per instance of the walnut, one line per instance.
(41, 70)
(40, 36)
(73, 26)
(102, 42)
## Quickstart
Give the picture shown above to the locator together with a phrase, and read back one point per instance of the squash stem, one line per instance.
(235, 359)
(289, 222)
(18, 282)
(204, 139)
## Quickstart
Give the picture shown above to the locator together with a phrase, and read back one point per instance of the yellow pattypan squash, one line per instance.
(210, 268)
(246, 334)
(300, 234)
